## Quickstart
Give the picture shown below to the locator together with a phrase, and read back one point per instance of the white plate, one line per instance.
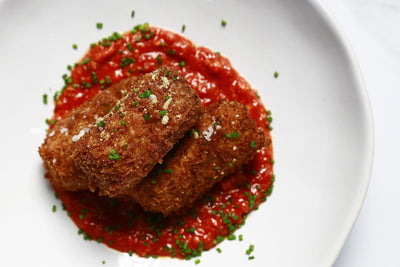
(323, 133)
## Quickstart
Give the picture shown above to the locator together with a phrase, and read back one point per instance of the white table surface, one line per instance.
(373, 29)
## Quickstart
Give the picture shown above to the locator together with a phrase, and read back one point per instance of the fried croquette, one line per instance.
(57, 147)
(124, 145)
(225, 138)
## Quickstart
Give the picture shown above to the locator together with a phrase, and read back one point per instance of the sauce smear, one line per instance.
(122, 224)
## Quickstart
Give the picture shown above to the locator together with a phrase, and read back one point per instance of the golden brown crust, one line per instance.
(57, 147)
(141, 128)
(224, 139)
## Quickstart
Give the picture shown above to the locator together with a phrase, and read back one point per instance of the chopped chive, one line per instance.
(182, 63)
(251, 248)
(87, 60)
(130, 47)
(54, 208)
(163, 112)
(223, 22)
(219, 238)
(45, 99)
(145, 94)
(219, 250)
(276, 74)
(108, 81)
(113, 155)
(99, 25)
(191, 229)
(94, 77)
(55, 96)
(231, 237)
(75, 46)
(183, 27)
(133, 13)
(253, 144)
(235, 135)
(117, 35)
(159, 60)
(147, 117)
(168, 171)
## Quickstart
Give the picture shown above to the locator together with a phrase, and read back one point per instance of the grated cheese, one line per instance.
(164, 119)
(81, 133)
(166, 104)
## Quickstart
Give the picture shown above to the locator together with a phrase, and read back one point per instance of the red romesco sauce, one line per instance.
(122, 224)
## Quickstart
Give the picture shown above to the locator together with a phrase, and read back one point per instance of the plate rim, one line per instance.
(356, 73)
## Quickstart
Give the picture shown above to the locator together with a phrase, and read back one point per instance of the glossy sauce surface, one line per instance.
(122, 224)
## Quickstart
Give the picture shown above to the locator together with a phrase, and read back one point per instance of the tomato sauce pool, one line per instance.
(122, 224)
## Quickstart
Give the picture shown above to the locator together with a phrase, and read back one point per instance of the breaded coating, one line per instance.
(141, 128)
(57, 147)
(225, 138)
